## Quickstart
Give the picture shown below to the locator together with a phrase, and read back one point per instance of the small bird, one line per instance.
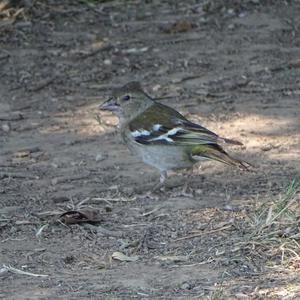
(161, 136)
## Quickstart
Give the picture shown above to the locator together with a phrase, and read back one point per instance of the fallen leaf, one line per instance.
(122, 257)
(80, 216)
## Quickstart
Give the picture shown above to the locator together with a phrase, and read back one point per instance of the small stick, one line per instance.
(17, 176)
(42, 85)
(151, 211)
(17, 271)
(202, 233)
(121, 199)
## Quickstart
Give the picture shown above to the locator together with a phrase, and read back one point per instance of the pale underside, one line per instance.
(164, 157)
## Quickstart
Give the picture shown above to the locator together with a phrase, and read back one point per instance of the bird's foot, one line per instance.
(160, 186)
(187, 191)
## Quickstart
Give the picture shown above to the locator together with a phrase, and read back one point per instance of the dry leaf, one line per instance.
(80, 216)
(122, 257)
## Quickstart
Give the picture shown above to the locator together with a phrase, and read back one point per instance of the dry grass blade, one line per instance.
(273, 227)
(40, 230)
(121, 199)
(218, 293)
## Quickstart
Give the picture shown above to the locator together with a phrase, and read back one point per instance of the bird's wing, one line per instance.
(160, 124)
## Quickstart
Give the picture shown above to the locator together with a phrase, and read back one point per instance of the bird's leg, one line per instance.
(163, 177)
(161, 184)
(186, 187)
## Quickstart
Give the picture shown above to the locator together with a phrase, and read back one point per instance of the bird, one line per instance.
(162, 137)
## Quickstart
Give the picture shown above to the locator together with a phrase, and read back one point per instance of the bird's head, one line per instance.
(128, 101)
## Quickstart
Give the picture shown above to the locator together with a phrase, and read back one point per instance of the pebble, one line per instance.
(230, 12)
(54, 181)
(186, 286)
(156, 87)
(5, 127)
(99, 157)
(107, 62)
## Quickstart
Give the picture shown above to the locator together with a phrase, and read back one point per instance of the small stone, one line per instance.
(228, 207)
(266, 148)
(230, 11)
(174, 235)
(99, 157)
(107, 62)
(54, 181)
(186, 286)
(199, 192)
(5, 127)
(287, 93)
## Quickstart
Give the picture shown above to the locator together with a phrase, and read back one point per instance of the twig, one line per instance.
(12, 18)
(204, 262)
(133, 225)
(17, 175)
(107, 200)
(17, 271)
(11, 239)
(40, 230)
(79, 204)
(32, 149)
(97, 11)
(14, 116)
(191, 236)
(96, 51)
(42, 84)
(151, 211)
(103, 231)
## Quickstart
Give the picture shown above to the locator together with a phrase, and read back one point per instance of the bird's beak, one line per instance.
(110, 104)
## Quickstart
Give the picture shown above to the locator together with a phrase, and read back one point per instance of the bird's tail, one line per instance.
(215, 152)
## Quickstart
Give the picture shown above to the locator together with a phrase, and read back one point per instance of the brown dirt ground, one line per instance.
(233, 66)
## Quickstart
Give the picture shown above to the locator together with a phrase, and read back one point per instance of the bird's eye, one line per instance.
(126, 98)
